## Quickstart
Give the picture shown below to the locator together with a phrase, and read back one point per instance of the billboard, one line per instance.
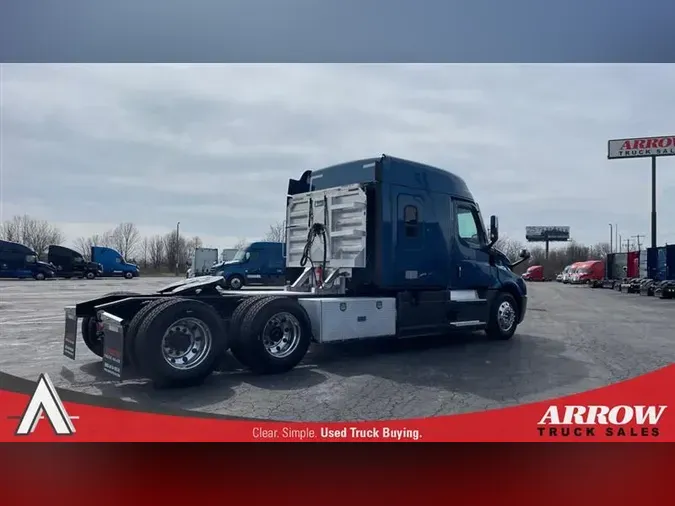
(641, 147)
(551, 234)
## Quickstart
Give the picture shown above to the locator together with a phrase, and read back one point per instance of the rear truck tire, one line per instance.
(40, 276)
(128, 275)
(90, 275)
(178, 343)
(275, 335)
(237, 348)
(503, 319)
(235, 282)
(91, 335)
(130, 340)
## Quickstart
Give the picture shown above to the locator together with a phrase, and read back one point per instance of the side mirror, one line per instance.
(524, 255)
(494, 229)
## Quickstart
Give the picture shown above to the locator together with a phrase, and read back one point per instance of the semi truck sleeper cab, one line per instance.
(375, 248)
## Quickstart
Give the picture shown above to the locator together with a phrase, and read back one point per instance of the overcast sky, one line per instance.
(89, 146)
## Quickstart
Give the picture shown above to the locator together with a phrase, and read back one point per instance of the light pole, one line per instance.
(611, 238)
(177, 245)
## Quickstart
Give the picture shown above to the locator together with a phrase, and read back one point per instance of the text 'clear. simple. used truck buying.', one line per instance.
(380, 247)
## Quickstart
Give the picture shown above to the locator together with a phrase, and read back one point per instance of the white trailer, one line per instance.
(202, 261)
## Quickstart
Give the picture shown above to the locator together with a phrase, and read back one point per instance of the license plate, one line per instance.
(70, 334)
(113, 344)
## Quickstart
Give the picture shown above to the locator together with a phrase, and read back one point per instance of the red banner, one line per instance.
(635, 410)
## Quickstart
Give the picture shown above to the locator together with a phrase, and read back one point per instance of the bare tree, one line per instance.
(36, 234)
(84, 244)
(125, 238)
(107, 239)
(510, 247)
(145, 250)
(277, 232)
(156, 251)
(600, 251)
(240, 244)
(175, 250)
(190, 245)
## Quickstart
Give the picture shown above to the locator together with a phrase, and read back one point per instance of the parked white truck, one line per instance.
(201, 262)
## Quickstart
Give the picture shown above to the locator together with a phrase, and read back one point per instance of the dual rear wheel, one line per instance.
(177, 341)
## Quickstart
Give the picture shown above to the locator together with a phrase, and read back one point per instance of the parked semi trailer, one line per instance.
(201, 261)
(380, 247)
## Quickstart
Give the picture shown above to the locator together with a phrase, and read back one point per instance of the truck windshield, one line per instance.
(240, 256)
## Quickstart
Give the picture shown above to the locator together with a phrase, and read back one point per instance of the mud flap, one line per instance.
(113, 344)
(70, 335)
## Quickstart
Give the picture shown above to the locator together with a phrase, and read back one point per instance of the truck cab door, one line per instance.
(413, 249)
(276, 266)
(472, 272)
(254, 267)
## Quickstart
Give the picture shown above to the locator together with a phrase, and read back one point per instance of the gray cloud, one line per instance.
(213, 146)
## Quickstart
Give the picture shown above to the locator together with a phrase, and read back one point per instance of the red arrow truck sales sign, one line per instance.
(641, 147)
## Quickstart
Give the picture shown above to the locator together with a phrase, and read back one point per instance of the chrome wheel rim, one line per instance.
(281, 335)
(186, 343)
(506, 316)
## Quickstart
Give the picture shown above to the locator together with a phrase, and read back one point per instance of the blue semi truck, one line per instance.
(19, 261)
(375, 248)
(113, 263)
(257, 264)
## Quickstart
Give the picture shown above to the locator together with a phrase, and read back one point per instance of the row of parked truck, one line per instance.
(577, 273)
(580, 273)
(650, 272)
(19, 261)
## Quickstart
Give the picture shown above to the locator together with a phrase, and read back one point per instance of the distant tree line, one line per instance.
(162, 252)
(156, 253)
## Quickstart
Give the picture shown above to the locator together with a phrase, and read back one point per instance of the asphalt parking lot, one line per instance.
(573, 339)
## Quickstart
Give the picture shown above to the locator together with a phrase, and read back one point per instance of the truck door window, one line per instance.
(118, 260)
(468, 227)
(411, 221)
